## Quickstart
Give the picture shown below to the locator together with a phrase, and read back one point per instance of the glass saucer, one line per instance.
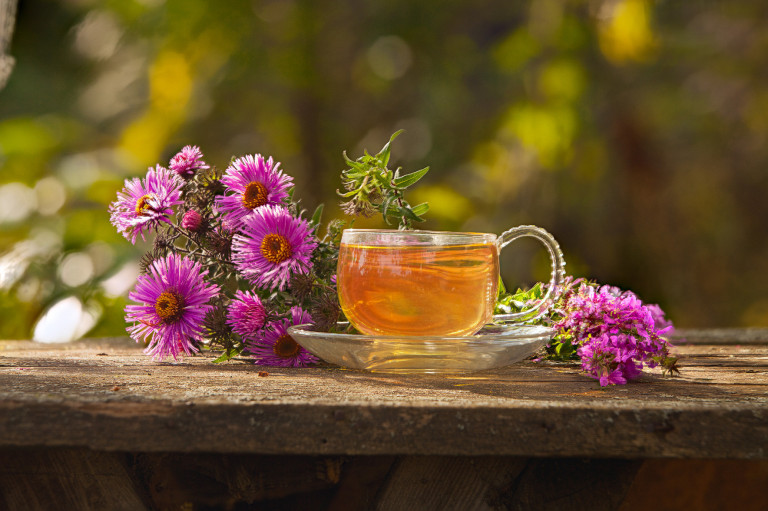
(494, 346)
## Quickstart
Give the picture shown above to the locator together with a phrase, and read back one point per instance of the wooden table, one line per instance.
(98, 425)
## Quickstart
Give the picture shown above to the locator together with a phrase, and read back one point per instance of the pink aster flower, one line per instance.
(272, 246)
(246, 314)
(274, 347)
(145, 203)
(615, 332)
(172, 304)
(252, 182)
(187, 161)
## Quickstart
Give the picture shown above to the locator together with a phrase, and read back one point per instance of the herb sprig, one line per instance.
(372, 187)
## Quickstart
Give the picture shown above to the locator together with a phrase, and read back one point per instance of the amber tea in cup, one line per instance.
(429, 283)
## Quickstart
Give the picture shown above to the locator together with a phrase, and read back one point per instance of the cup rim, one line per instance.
(444, 236)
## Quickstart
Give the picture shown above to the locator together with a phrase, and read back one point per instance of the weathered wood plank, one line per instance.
(216, 481)
(572, 484)
(699, 484)
(362, 478)
(67, 479)
(83, 479)
(452, 483)
(107, 395)
(721, 336)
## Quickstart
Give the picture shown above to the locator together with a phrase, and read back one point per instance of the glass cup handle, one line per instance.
(555, 287)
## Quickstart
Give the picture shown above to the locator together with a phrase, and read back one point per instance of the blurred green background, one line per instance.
(634, 131)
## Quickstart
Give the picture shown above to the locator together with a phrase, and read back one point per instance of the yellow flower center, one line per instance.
(255, 195)
(142, 205)
(286, 347)
(169, 306)
(275, 248)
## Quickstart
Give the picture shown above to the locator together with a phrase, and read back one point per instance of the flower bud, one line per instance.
(192, 220)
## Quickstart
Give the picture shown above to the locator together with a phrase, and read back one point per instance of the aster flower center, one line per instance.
(255, 195)
(286, 347)
(169, 306)
(142, 205)
(275, 248)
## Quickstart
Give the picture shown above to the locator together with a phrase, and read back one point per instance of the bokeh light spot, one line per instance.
(76, 269)
(390, 57)
(17, 202)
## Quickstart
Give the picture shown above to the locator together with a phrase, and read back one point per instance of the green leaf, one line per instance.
(385, 151)
(394, 212)
(420, 209)
(502, 288)
(562, 349)
(409, 214)
(228, 355)
(347, 194)
(317, 215)
(353, 174)
(409, 179)
(385, 208)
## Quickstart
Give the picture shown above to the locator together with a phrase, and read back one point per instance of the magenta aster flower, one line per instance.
(187, 161)
(252, 182)
(615, 332)
(246, 314)
(274, 347)
(145, 203)
(172, 306)
(272, 246)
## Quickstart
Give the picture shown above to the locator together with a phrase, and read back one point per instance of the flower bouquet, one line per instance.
(235, 261)
(612, 332)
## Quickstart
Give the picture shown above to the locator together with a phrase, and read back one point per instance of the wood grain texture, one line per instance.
(42, 479)
(67, 479)
(106, 395)
(451, 483)
(699, 484)
(721, 336)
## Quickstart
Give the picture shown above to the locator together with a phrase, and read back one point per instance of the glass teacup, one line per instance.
(431, 283)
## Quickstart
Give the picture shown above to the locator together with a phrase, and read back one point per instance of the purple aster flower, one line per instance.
(187, 161)
(272, 246)
(145, 203)
(172, 306)
(274, 347)
(252, 182)
(246, 315)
